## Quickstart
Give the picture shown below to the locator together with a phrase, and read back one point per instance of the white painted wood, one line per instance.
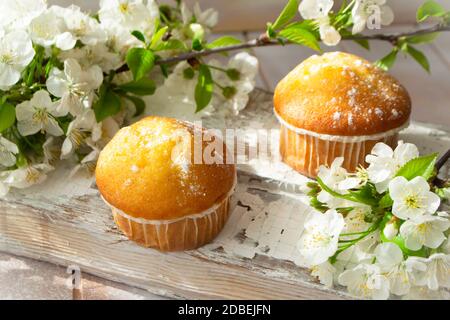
(79, 230)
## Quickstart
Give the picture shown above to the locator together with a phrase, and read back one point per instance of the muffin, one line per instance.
(337, 105)
(160, 197)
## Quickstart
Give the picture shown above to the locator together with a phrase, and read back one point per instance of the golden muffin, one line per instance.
(337, 105)
(160, 196)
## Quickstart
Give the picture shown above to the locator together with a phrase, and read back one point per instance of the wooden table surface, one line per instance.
(22, 278)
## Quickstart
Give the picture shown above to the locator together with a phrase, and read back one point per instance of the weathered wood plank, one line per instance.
(79, 230)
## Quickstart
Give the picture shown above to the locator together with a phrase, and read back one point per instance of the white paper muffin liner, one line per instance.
(306, 151)
(184, 233)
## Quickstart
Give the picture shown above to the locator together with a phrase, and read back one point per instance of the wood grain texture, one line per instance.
(80, 231)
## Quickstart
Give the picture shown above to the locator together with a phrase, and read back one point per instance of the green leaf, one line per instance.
(363, 196)
(171, 44)
(107, 105)
(142, 87)
(419, 57)
(423, 38)
(298, 34)
(138, 103)
(388, 61)
(140, 61)
(158, 37)
(287, 14)
(386, 201)
(7, 116)
(204, 88)
(138, 35)
(223, 42)
(430, 9)
(363, 43)
(422, 166)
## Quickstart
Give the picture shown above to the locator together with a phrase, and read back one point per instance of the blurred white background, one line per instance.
(242, 15)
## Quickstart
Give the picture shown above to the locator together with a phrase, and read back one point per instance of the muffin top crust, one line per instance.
(341, 94)
(148, 171)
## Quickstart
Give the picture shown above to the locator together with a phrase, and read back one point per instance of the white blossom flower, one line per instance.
(81, 26)
(8, 151)
(338, 179)
(324, 273)
(320, 237)
(247, 66)
(131, 14)
(424, 231)
(384, 163)
(89, 162)
(390, 230)
(437, 272)
(412, 199)
(52, 150)
(120, 39)
(77, 132)
(389, 257)
(16, 52)
(366, 10)
(73, 85)
(207, 18)
(48, 29)
(38, 114)
(423, 293)
(366, 281)
(318, 10)
(99, 54)
(28, 176)
(17, 14)
(355, 220)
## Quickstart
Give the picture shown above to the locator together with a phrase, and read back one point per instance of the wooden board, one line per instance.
(79, 230)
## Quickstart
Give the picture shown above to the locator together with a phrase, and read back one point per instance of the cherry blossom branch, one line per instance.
(264, 41)
(443, 160)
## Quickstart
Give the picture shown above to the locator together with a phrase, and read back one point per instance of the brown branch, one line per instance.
(263, 41)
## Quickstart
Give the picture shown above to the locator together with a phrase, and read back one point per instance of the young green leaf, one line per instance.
(419, 57)
(7, 116)
(298, 34)
(363, 43)
(287, 14)
(142, 87)
(386, 201)
(422, 166)
(204, 88)
(158, 37)
(363, 196)
(430, 9)
(223, 42)
(423, 38)
(139, 104)
(107, 105)
(388, 61)
(171, 44)
(140, 61)
(138, 35)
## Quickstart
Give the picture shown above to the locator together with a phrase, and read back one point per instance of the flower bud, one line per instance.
(390, 231)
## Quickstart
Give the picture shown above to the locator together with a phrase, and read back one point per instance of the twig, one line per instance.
(264, 41)
(440, 163)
